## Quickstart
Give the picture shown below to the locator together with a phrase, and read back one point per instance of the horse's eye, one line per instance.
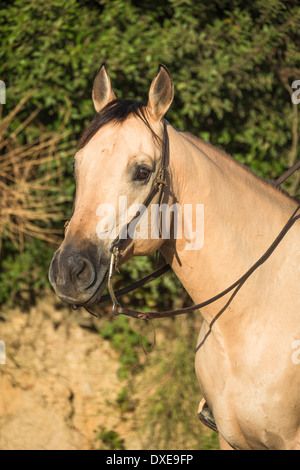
(142, 174)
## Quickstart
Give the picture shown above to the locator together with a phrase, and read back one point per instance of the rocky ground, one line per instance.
(60, 382)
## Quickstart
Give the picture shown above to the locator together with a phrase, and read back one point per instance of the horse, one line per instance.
(246, 359)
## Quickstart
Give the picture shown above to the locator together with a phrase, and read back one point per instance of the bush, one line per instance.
(232, 63)
(31, 170)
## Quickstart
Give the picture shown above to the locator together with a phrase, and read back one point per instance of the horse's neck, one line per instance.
(242, 216)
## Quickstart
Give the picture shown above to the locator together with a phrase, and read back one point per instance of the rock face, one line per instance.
(59, 381)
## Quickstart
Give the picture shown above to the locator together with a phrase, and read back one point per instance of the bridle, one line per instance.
(158, 187)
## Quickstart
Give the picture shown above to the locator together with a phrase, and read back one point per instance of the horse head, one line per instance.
(117, 162)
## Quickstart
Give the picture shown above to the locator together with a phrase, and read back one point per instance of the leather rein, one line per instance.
(158, 187)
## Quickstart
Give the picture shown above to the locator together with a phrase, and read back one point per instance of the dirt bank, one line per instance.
(59, 382)
(60, 387)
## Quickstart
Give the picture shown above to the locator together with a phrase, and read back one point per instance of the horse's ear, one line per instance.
(161, 94)
(102, 91)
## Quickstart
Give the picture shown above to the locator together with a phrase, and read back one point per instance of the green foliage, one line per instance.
(231, 62)
(164, 290)
(110, 440)
(23, 275)
(124, 401)
(125, 340)
(175, 400)
(171, 421)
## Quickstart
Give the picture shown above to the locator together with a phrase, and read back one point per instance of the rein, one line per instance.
(118, 309)
(158, 187)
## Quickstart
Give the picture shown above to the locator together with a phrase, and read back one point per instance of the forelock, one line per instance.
(116, 111)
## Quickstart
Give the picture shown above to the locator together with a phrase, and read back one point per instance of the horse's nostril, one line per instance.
(83, 273)
(78, 269)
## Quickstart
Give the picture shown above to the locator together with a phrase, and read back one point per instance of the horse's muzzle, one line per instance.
(77, 276)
